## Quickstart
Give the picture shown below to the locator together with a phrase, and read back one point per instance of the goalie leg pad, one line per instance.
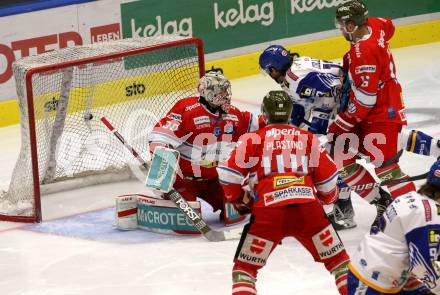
(162, 216)
(212, 193)
(126, 212)
(231, 216)
(208, 190)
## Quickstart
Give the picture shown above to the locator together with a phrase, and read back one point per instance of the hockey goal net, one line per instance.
(63, 93)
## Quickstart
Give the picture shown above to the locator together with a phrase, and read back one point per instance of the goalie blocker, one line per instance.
(162, 215)
(162, 175)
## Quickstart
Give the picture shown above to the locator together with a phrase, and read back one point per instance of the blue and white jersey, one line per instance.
(407, 242)
(313, 82)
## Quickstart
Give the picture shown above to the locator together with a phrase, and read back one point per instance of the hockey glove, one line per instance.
(319, 123)
(343, 123)
(243, 204)
(345, 94)
(297, 116)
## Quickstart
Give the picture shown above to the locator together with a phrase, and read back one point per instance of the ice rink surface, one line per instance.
(77, 250)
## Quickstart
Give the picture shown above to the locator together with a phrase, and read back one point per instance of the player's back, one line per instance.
(409, 228)
(283, 140)
(304, 65)
(286, 165)
(282, 174)
(309, 78)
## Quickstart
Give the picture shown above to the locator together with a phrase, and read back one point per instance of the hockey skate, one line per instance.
(342, 216)
(381, 204)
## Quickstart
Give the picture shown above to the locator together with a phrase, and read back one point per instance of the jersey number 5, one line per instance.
(365, 81)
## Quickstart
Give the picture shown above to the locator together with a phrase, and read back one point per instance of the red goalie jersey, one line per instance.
(376, 94)
(285, 165)
(201, 137)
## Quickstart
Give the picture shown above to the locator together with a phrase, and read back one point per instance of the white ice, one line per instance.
(83, 254)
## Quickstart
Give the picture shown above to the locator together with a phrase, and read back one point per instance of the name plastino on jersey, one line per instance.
(284, 145)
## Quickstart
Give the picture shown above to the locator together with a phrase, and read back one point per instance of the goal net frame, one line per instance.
(36, 177)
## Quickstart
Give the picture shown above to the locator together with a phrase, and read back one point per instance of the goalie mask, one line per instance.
(216, 89)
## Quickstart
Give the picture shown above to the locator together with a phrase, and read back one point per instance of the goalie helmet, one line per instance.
(216, 89)
(354, 10)
(276, 107)
(275, 57)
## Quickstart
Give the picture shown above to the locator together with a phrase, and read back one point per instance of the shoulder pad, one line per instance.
(188, 104)
(234, 109)
(412, 209)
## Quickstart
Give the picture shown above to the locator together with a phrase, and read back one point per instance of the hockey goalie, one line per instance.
(204, 130)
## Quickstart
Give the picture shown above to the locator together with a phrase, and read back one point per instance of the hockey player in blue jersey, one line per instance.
(318, 92)
(315, 87)
(406, 241)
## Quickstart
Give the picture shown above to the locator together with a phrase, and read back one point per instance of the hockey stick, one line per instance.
(384, 183)
(402, 180)
(392, 160)
(181, 203)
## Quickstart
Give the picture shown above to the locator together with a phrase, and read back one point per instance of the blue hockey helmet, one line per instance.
(275, 57)
(434, 174)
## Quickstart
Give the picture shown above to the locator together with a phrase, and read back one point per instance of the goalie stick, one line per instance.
(181, 203)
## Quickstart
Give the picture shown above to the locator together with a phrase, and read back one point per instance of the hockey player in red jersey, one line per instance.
(204, 130)
(314, 86)
(289, 175)
(375, 111)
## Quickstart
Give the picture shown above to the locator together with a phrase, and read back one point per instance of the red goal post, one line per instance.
(133, 82)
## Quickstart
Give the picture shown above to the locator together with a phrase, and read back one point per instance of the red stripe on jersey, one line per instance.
(428, 212)
(292, 75)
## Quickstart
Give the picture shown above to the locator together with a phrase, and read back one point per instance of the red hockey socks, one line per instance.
(243, 281)
(340, 274)
(393, 171)
(361, 181)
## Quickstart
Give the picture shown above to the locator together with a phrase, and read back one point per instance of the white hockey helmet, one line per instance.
(216, 89)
